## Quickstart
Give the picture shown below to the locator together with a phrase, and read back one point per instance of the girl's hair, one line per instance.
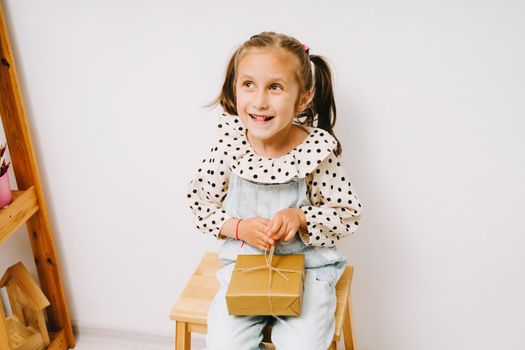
(321, 110)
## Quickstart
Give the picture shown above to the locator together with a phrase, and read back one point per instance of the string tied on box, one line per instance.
(268, 257)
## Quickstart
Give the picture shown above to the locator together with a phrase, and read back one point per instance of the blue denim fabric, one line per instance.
(314, 329)
(248, 199)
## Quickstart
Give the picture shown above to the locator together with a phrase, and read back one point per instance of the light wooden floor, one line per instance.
(90, 344)
(128, 341)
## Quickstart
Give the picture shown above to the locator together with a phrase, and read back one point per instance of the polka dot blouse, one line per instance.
(335, 209)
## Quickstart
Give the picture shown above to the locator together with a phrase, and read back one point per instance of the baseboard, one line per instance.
(133, 339)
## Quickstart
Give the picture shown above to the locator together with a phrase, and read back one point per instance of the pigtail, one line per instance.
(227, 96)
(323, 102)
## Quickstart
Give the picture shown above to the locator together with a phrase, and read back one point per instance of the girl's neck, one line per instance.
(280, 144)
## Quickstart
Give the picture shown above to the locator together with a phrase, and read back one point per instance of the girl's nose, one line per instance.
(260, 100)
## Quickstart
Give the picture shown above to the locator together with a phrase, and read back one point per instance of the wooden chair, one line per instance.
(190, 313)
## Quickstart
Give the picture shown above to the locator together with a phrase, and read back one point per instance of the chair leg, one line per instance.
(182, 336)
(348, 331)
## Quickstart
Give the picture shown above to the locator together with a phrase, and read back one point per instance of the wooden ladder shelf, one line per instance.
(28, 204)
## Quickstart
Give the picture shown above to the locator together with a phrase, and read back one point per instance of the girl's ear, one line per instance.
(304, 101)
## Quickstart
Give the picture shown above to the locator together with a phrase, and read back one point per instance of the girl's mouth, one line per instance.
(261, 119)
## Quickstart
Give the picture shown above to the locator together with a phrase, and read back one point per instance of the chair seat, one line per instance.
(191, 309)
(194, 302)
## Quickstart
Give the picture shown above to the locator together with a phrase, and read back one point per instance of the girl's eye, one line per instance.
(248, 84)
(276, 86)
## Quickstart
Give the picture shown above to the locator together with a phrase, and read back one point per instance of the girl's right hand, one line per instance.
(252, 231)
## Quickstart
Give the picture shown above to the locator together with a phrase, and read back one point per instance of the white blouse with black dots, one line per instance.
(335, 209)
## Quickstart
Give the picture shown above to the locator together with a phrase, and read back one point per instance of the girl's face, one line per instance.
(267, 93)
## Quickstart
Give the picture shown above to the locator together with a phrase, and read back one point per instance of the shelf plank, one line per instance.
(58, 341)
(12, 216)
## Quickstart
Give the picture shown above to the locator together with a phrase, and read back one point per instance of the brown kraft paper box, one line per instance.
(247, 292)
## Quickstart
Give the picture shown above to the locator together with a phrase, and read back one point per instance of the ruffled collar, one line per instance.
(244, 162)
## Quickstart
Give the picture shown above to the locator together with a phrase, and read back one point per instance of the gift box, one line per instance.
(263, 285)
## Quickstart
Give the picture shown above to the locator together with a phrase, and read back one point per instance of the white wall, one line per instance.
(430, 97)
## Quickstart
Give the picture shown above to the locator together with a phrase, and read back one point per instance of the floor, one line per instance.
(90, 344)
(126, 341)
(83, 344)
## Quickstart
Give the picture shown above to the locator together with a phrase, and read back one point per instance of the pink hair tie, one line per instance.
(306, 48)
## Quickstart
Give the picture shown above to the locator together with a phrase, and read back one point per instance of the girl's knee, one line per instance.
(303, 344)
(230, 343)
(222, 342)
(230, 337)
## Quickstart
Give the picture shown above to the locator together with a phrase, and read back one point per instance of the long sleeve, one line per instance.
(335, 209)
(206, 193)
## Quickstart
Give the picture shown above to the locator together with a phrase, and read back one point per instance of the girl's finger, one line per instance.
(282, 231)
(291, 233)
(263, 238)
(264, 222)
(267, 229)
(276, 224)
(267, 240)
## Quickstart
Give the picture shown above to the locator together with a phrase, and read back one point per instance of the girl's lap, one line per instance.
(312, 330)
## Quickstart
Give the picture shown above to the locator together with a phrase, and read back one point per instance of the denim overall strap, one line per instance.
(248, 199)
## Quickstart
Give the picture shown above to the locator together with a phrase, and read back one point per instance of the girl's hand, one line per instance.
(252, 231)
(285, 224)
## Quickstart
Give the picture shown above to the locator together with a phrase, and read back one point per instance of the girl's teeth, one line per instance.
(261, 118)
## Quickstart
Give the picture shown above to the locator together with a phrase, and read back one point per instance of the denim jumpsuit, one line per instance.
(314, 329)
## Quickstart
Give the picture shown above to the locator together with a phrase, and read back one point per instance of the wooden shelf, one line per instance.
(29, 205)
(12, 216)
(58, 341)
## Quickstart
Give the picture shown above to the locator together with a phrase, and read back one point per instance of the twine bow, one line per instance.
(269, 258)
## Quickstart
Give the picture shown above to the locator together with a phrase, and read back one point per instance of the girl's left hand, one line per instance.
(285, 224)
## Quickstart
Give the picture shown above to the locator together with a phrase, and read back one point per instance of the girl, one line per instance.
(274, 178)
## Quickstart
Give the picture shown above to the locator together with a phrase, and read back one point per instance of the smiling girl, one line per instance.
(274, 177)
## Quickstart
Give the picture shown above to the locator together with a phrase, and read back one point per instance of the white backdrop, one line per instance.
(431, 117)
